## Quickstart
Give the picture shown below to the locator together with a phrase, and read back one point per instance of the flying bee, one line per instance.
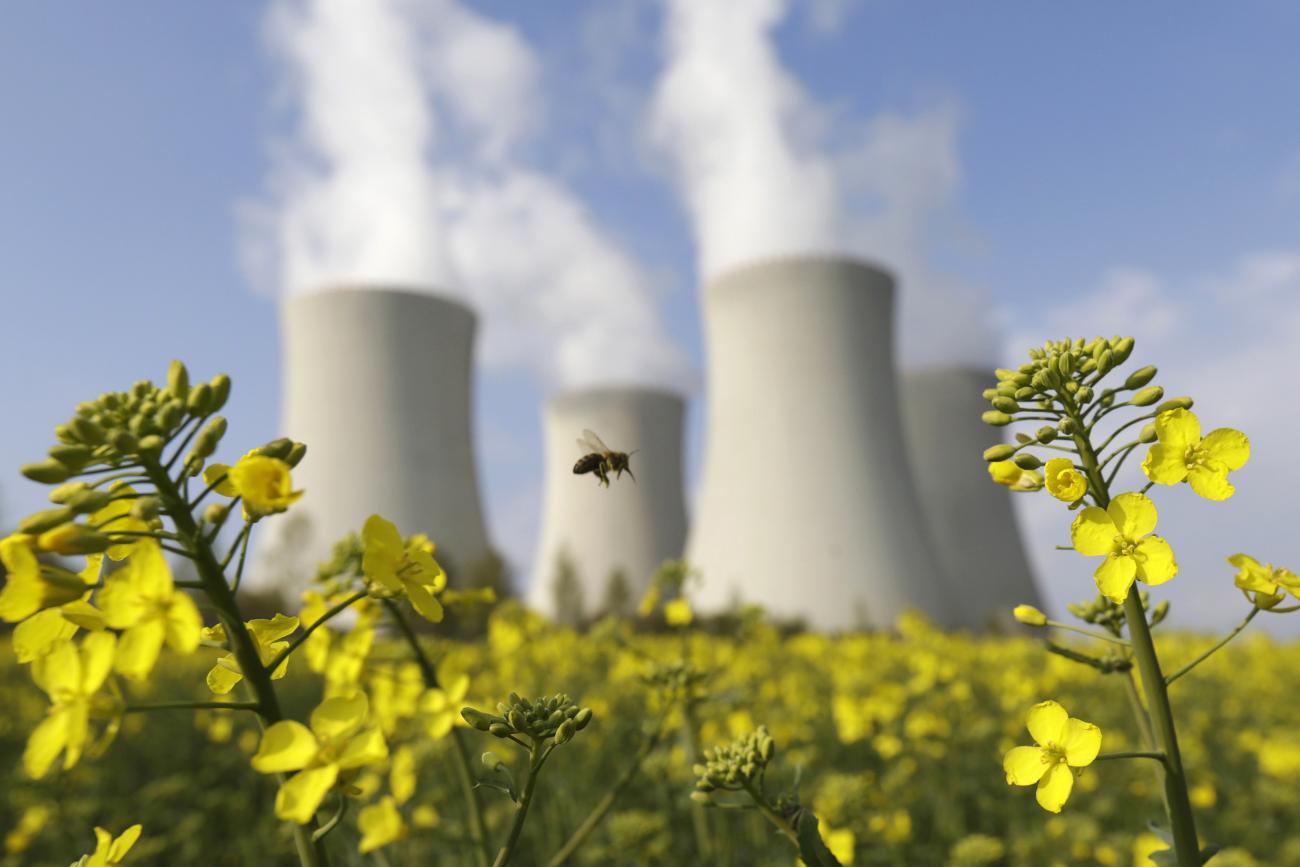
(600, 459)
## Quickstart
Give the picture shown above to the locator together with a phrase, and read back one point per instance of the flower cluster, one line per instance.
(738, 765)
(555, 718)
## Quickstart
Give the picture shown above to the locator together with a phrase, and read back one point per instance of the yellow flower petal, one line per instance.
(138, 651)
(339, 716)
(44, 744)
(380, 824)
(1133, 513)
(1210, 480)
(286, 746)
(424, 602)
(224, 675)
(279, 626)
(366, 748)
(1080, 741)
(1178, 428)
(1024, 766)
(184, 624)
(58, 671)
(401, 776)
(1155, 561)
(1165, 465)
(298, 798)
(122, 845)
(213, 473)
(1054, 788)
(1093, 532)
(97, 654)
(1063, 481)
(1232, 447)
(1115, 576)
(38, 634)
(83, 614)
(1046, 720)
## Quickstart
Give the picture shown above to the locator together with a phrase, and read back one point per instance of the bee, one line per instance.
(600, 459)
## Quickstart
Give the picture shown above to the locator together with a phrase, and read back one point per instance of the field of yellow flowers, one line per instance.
(895, 740)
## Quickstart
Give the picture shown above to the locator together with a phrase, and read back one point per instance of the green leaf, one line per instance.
(812, 849)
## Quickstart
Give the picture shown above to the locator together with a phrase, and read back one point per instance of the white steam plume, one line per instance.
(407, 166)
(754, 160)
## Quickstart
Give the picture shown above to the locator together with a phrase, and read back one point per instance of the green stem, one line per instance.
(521, 809)
(1100, 636)
(257, 676)
(1186, 845)
(1207, 654)
(1134, 754)
(771, 815)
(324, 618)
(460, 754)
(192, 705)
(598, 813)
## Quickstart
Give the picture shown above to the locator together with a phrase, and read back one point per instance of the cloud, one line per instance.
(1231, 340)
(766, 170)
(407, 163)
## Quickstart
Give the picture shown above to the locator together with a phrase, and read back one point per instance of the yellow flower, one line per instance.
(266, 635)
(316, 648)
(402, 569)
(1065, 744)
(441, 707)
(1009, 475)
(116, 517)
(401, 776)
(1263, 583)
(71, 677)
(338, 742)
(1118, 532)
(1181, 455)
(1065, 482)
(109, 852)
(380, 824)
(678, 612)
(264, 484)
(142, 599)
(28, 589)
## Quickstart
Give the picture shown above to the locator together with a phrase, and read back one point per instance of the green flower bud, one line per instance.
(168, 416)
(582, 718)
(296, 454)
(140, 425)
(1029, 615)
(1140, 377)
(999, 452)
(995, 418)
(1083, 395)
(1071, 387)
(1160, 612)
(72, 457)
(500, 730)
(206, 442)
(1063, 364)
(178, 379)
(1023, 440)
(215, 513)
(1006, 404)
(200, 399)
(220, 391)
(89, 500)
(1088, 366)
(64, 493)
(44, 520)
(1006, 389)
(1122, 348)
(1106, 362)
(1026, 461)
(146, 508)
(1147, 396)
(72, 540)
(1024, 393)
(1046, 434)
(1003, 374)
(517, 721)
(989, 393)
(769, 749)
(151, 444)
(564, 733)
(49, 472)
(1175, 403)
(1067, 426)
(1107, 398)
(702, 798)
(87, 431)
(277, 448)
(122, 442)
(491, 761)
(1148, 434)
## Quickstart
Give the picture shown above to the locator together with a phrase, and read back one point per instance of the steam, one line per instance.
(764, 171)
(407, 165)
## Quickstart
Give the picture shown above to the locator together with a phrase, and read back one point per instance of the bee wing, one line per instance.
(591, 443)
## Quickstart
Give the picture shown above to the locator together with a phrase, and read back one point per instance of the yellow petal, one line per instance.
(457, 688)
(1178, 428)
(58, 671)
(224, 675)
(1093, 532)
(1232, 447)
(123, 844)
(97, 655)
(1133, 513)
(1080, 741)
(1155, 561)
(1063, 481)
(1115, 576)
(83, 614)
(1055, 786)
(184, 624)
(286, 746)
(1165, 465)
(424, 602)
(401, 776)
(366, 748)
(149, 571)
(121, 602)
(1210, 481)
(266, 631)
(1046, 720)
(76, 727)
(38, 634)
(44, 744)
(298, 798)
(340, 715)
(1024, 766)
(380, 824)
(137, 653)
(213, 473)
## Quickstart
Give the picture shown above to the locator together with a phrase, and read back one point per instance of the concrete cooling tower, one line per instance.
(590, 532)
(377, 383)
(970, 519)
(806, 505)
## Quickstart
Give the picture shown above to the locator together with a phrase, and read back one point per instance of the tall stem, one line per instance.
(1186, 845)
(258, 677)
(521, 809)
(460, 753)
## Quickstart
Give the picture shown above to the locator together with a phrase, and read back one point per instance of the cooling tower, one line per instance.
(629, 527)
(377, 383)
(970, 518)
(806, 505)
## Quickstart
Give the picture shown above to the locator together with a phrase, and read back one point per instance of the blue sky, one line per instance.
(1114, 168)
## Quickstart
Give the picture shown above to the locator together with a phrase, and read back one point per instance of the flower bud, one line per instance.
(1140, 377)
(73, 539)
(1067, 426)
(1148, 434)
(1106, 362)
(500, 730)
(296, 454)
(1005, 389)
(87, 500)
(146, 508)
(200, 400)
(1027, 461)
(1046, 434)
(564, 733)
(1083, 395)
(1147, 396)
(517, 721)
(206, 442)
(123, 442)
(989, 393)
(73, 457)
(1029, 615)
(1005, 404)
(168, 416)
(277, 448)
(64, 493)
(220, 391)
(581, 718)
(702, 798)
(48, 472)
(1063, 364)
(87, 431)
(999, 452)
(1175, 403)
(995, 418)
(178, 379)
(1122, 349)
(215, 513)
(151, 445)
(47, 519)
